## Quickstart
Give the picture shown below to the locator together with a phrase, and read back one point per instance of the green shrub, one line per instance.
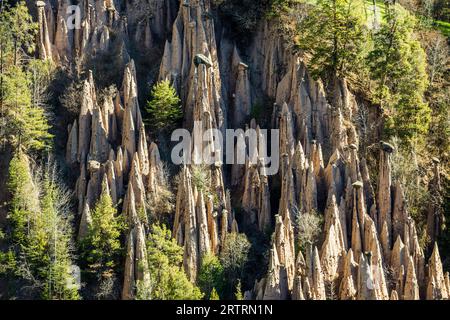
(309, 229)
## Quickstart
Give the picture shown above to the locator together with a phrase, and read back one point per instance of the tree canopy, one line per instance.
(398, 67)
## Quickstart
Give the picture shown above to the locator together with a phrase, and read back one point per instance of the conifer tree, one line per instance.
(40, 235)
(50, 242)
(164, 107)
(214, 295)
(211, 276)
(238, 293)
(334, 33)
(168, 280)
(24, 201)
(101, 248)
(398, 67)
(24, 123)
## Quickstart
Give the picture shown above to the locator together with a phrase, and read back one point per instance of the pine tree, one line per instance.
(214, 295)
(50, 243)
(24, 123)
(398, 67)
(41, 236)
(24, 203)
(334, 33)
(17, 31)
(101, 248)
(168, 280)
(238, 294)
(164, 107)
(27, 124)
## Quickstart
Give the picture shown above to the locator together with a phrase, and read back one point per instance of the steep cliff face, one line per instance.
(369, 248)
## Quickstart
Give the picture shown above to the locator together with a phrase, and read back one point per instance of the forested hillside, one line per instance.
(339, 108)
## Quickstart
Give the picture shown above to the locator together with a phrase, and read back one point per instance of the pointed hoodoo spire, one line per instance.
(348, 289)
(399, 212)
(99, 146)
(437, 286)
(331, 255)
(136, 183)
(132, 122)
(186, 225)
(411, 285)
(399, 257)
(72, 143)
(287, 200)
(287, 141)
(155, 171)
(44, 41)
(242, 103)
(264, 216)
(435, 219)
(86, 220)
(334, 246)
(204, 244)
(356, 235)
(136, 263)
(300, 277)
(366, 288)
(129, 272)
(372, 245)
(384, 186)
(284, 242)
(276, 286)
(84, 123)
(318, 282)
(394, 295)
